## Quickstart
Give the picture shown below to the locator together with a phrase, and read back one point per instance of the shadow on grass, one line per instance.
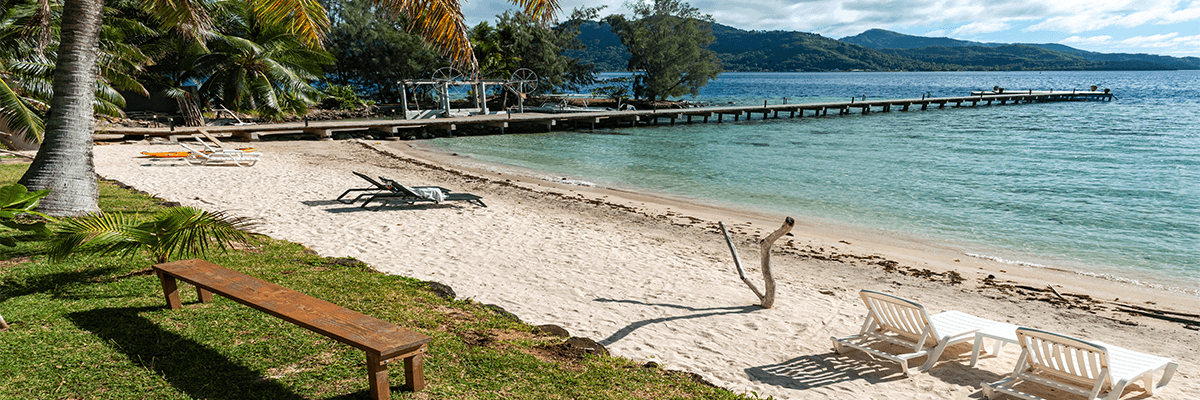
(191, 367)
(704, 312)
(60, 284)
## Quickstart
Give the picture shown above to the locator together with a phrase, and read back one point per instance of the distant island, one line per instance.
(879, 50)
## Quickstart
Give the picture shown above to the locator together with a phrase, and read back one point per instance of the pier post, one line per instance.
(720, 117)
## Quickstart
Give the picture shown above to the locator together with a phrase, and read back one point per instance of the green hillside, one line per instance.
(877, 50)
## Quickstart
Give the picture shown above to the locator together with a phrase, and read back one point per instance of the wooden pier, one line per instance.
(408, 128)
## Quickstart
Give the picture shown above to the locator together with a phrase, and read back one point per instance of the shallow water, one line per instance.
(1108, 188)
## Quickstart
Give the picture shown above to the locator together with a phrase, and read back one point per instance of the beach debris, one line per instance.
(1056, 293)
(1187, 319)
(768, 299)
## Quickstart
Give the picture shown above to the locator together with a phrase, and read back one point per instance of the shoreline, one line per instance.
(913, 250)
(648, 277)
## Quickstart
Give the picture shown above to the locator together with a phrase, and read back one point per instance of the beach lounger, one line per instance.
(376, 187)
(903, 322)
(410, 195)
(236, 157)
(1091, 369)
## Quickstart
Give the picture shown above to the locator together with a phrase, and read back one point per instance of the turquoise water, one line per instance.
(1109, 188)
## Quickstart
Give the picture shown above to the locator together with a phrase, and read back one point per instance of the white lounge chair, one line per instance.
(1091, 369)
(236, 157)
(904, 322)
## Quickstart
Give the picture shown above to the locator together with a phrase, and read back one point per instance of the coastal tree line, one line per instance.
(62, 63)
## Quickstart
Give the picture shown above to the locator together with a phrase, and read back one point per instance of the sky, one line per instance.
(1165, 27)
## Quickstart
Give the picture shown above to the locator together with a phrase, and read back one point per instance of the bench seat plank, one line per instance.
(381, 340)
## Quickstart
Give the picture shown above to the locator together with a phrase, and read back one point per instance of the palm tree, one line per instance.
(172, 233)
(27, 56)
(64, 162)
(255, 66)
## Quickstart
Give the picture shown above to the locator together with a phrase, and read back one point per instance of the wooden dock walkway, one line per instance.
(408, 128)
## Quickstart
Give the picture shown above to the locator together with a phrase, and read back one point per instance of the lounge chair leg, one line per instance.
(975, 350)
(1167, 373)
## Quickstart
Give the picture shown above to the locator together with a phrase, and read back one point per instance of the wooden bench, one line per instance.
(381, 340)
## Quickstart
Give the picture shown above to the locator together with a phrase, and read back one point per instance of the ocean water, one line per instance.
(1104, 188)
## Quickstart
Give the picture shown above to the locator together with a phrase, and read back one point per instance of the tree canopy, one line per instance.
(668, 42)
(519, 41)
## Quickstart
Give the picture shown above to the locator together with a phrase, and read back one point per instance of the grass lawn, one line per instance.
(96, 327)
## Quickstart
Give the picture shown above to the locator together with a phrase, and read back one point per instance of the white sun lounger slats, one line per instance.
(1091, 369)
(904, 322)
(236, 157)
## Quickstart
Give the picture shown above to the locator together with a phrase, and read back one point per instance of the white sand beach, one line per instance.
(647, 276)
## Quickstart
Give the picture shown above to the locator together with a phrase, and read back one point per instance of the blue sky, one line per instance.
(1167, 27)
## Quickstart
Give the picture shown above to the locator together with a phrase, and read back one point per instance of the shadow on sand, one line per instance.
(701, 313)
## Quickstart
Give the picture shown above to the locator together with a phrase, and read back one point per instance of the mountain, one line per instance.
(876, 50)
(880, 39)
(883, 39)
(742, 50)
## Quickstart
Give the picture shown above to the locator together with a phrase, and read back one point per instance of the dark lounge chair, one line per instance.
(411, 195)
(376, 188)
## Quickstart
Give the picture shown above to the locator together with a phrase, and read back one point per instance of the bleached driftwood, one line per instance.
(767, 300)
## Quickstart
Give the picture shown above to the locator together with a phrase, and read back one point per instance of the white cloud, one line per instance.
(1088, 41)
(1169, 40)
(981, 27)
(1191, 13)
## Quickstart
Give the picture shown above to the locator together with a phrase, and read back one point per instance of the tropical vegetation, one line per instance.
(95, 325)
(274, 43)
(667, 43)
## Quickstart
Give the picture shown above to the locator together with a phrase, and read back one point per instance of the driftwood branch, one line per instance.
(767, 300)
(765, 249)
(737, 261)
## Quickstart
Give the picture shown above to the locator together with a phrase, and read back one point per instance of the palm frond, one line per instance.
(186, 17)
(304, 18)
(540, 10)
(20, 117)
(191, 232)
(102, 233)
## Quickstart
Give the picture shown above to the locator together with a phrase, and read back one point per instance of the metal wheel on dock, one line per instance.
(523, 81)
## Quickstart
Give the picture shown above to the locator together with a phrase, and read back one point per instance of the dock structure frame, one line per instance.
(393, 128)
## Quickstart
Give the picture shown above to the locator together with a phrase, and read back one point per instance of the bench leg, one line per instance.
(377, 377)
(204, 295)
(170, 290)
(414, 372)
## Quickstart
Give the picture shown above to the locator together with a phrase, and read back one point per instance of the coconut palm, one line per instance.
(255, 66)
(27, 56)
(64, 162)
(173, 233)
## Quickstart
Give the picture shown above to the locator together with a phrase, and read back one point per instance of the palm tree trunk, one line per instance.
(64, 162)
